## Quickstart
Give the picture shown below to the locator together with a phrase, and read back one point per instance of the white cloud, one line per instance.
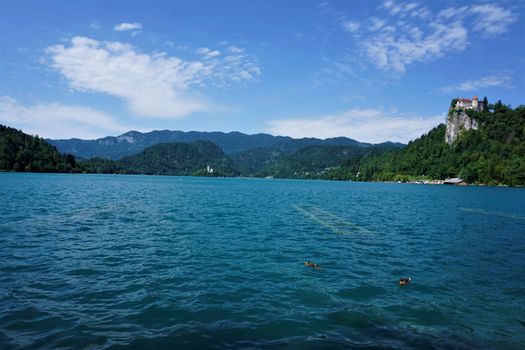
(153, 85)
(350, 26)
(406, 9)
(488, 20)
(128, 26)
(474, 85)
(410, 33)
(394, 51)
(135, 28)
(57, 120)
(207, 53)
(376, 24)
(95, 26)
(388, 4)
(235, 49)
(407, 36)
(453, 12)
(365, 125)
(492, 19)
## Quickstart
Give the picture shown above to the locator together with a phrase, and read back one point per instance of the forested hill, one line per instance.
(200, 158)
(493, 154)
(22, 152)
(233, 142)
(316, 161)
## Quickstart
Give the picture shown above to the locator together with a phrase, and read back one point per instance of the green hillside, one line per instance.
(315, 162)
(194, 158)
(300, 159)
(493, 154)
(22, 152)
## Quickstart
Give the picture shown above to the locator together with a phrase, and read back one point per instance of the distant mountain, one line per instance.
(201, 158)
(133, 142)
(22, 152)
(280, 156)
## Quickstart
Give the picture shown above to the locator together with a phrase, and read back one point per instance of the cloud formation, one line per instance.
(391, 51)
(207, 53)
(487, 19)
(135, 28)
(55, 120)
(365, 125)
(128, 26)
(153, 85)
(474, 85)
(350, 26)
(409, 32)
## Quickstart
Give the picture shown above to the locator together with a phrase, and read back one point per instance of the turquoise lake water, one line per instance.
(101, 261)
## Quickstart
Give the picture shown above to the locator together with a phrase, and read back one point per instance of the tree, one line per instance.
(485, 103)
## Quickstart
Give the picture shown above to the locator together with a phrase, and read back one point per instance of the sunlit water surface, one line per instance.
(97, 261)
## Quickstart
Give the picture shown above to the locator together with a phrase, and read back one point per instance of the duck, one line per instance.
(311, 264)
(404, 280)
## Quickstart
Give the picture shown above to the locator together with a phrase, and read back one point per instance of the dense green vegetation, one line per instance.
(305, 158)
(26, 153)
(193, 158)
(313, 162)
(493, 154)
(22, 152)
(255, 162)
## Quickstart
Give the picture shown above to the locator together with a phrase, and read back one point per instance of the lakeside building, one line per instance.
(455, 181)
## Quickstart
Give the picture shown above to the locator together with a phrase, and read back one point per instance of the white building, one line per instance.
(467, 103)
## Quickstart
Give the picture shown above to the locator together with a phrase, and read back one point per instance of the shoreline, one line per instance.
(411, 182)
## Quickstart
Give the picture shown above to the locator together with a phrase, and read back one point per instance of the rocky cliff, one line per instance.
(458, 121)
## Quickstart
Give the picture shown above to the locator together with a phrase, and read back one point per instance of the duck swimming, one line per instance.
(403, 281)
(311, 264)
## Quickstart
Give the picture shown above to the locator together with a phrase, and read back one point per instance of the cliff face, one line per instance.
(458, 121)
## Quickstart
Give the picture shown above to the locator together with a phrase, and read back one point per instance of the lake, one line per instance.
(106, 261)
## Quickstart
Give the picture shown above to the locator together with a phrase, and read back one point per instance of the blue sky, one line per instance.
(370, 70)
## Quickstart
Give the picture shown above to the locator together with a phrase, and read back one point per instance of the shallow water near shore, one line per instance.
(102, 261)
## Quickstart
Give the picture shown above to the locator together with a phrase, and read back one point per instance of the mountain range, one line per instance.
(132, 142)
(492, 154)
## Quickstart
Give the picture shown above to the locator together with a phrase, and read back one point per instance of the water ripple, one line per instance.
(163, 262)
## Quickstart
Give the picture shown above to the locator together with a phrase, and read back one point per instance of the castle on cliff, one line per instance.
(458, 120)
(467, 103)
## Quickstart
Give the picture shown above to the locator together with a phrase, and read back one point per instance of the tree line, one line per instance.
(493, 154)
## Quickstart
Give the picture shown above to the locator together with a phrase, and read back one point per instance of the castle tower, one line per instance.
(475, 104)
